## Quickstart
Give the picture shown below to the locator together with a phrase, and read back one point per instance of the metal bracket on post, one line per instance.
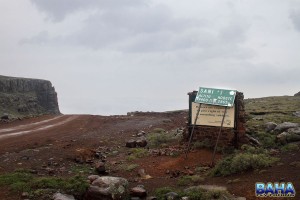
(215, 149)
(191, 136)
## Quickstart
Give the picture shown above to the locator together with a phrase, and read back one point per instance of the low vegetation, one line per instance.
(290, 147)
(190, 180)
(131, 167)
(206, 143)
(192, 194)
(22, 181)
(249, 158)
(160, 138)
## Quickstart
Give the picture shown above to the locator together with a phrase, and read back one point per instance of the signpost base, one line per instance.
(191, 136)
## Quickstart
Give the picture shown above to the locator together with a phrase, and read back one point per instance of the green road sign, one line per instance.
(215, 96)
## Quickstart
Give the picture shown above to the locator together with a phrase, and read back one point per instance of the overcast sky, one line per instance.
(114, 56)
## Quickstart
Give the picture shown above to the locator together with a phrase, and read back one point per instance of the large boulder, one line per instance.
(108, 188)
(297, 94)
(285, 126)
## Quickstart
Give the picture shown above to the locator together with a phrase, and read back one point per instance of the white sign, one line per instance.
(211, 115)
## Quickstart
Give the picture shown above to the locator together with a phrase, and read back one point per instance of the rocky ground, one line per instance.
(69, 145)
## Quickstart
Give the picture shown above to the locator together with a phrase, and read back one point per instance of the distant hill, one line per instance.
(21, 97)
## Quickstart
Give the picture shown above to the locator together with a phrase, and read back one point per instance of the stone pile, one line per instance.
(286, 132)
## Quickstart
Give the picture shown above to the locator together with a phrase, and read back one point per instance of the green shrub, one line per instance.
(160, 192)
(158, 130)
(159, 139)
(192, 194)
(25, 182)
(81, 169)
(131, 167)
(139, 152)
(290, 147)
(206, 143)
(131, 157)
(17, 181)
(252, 150)
(189, 180)
(266, 139)
(242, 162)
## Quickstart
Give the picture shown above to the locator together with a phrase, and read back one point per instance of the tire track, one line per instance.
(34, 128)
(26, 126)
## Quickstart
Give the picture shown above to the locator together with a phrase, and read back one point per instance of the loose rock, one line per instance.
(297, 113)
(270, 126)
(5, 116)
(172, 196)
(100, 167)
(141, 142)
(138, 192)
(131, 143)
(91, 178)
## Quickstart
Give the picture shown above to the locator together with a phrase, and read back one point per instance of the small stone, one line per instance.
(100, 167)
(140, 134)
(151, 198)
(297, 113)
(135, 198)
(141, 142)
(141, 173)
(190, 172)
(295, 164)
(25, 158)
(273, 152)
(172, 196)
(25, 195)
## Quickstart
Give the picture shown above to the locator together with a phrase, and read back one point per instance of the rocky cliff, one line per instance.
(22, 97)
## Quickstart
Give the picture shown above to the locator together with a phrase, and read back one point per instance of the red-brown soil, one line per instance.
(37, 145)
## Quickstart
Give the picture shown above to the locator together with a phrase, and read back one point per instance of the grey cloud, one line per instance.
(57, 10)
(295, 17)
(154, 29)
(40, 38)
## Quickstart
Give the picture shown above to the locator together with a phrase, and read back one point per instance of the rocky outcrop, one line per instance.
(23, 97)
(297, 94)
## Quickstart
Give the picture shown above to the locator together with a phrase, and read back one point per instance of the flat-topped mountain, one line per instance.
(24, 96)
